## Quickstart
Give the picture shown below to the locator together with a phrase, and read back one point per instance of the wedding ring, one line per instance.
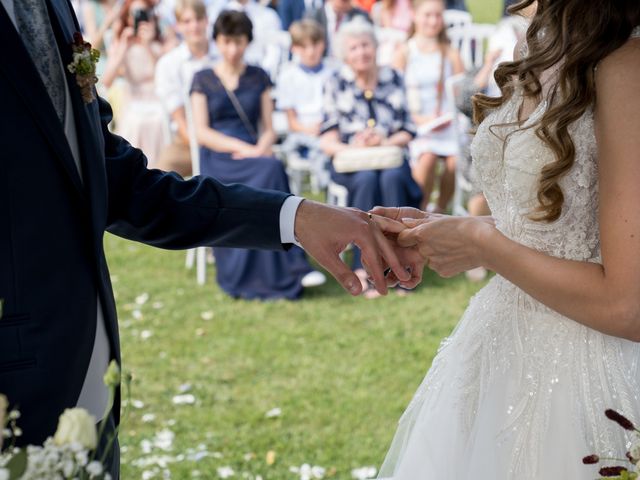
(370, 216)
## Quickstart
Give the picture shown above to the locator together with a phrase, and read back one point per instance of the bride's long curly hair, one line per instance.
(574, 36)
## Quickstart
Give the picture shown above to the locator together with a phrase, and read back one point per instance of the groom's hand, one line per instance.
(325, 231)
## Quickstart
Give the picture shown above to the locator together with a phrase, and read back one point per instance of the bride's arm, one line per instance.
(604, 297)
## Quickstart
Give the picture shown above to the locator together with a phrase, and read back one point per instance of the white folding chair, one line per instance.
(476, 40)
(457, 18)
(276, 51)
(198, 254)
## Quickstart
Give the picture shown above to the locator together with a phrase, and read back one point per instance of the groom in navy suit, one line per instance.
(65, 180)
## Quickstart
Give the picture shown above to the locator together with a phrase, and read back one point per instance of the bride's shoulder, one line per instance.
(625, 59)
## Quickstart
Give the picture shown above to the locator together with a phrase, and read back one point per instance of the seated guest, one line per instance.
(299, 94)
(133, 54)
(265, 21)
(331, 16)
(229, 102)
(428, 60)
(174, 74)
(365, 106)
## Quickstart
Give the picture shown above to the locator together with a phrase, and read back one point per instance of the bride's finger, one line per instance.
(386, 224)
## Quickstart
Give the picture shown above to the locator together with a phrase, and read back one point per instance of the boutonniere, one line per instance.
(83, 66)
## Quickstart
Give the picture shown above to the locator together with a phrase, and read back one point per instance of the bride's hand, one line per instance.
(398, 213)
(449, 245)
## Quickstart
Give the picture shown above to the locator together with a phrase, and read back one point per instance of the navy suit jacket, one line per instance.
(52, 222)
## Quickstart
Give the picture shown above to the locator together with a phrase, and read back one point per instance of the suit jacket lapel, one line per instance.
(18, 68)
(87, 120)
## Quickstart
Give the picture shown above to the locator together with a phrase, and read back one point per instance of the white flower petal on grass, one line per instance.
(225, 472)
(208, 315)
(184, 388)
(217, 455)
(164, 440)
(137, 314)
(147, 418)
(186, 399)
(146, 446)
(142, 299)
(146, 334)
(197, 456)
(273, 413)
(307, 472)
(148, 474)
(157, 305)
(364, 473)
(137, 404)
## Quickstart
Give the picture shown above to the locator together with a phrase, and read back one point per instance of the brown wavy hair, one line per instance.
(572, 36)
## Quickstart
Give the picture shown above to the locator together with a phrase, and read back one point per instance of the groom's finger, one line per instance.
(388, 225)
(388, 212)
(389, 255)
(339, 270)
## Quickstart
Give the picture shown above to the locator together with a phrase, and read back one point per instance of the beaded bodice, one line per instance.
(509, 160)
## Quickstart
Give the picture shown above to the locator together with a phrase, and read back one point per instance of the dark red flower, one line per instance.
(591, 459)
(612, 471)
(621, 420)
(77, 39)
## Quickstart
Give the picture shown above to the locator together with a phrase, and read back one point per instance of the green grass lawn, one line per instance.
(341, 370)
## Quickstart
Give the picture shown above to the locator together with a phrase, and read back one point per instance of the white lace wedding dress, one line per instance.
(519, 391)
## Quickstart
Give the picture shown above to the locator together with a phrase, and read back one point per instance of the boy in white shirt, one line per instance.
(299, 94)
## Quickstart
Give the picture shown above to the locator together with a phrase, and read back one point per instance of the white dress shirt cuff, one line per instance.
(288, 220)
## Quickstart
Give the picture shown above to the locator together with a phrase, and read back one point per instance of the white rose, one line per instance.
(76, 426)
(4, 474)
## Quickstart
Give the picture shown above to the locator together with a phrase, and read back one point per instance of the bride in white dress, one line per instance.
(519, 389)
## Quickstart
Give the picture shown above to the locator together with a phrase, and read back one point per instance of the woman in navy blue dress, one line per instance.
(229, 102)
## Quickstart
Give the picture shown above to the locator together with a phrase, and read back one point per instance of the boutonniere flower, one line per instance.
(83, 66)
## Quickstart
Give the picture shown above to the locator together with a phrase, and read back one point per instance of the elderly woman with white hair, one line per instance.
(365, 106)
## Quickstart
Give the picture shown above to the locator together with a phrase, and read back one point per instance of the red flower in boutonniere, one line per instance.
(83, 66)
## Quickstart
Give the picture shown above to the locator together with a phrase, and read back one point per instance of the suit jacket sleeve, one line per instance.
(163, 210)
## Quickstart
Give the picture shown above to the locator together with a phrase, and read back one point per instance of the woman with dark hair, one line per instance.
(519, 390)
(232, 109)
